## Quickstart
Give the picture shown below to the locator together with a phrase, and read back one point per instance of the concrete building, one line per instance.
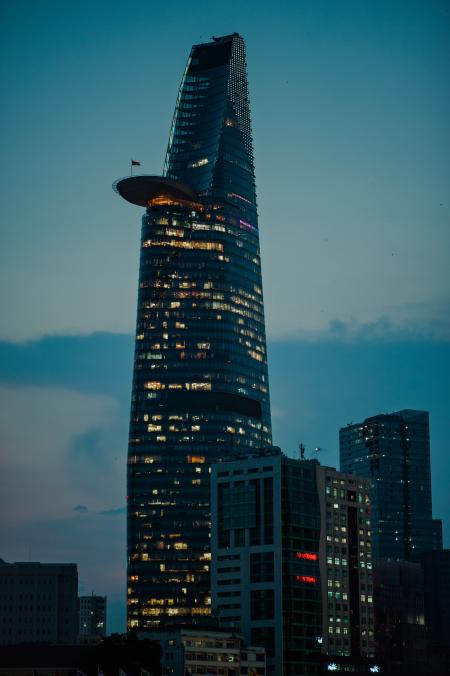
(265, 519)
(38, 603)
(92, 616)
(345, 556)
(189, 651)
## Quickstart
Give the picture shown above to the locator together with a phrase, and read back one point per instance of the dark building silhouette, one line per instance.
(436, 575)
(393, 450)
(400, 617)
(114, 656)
(38, 603)
(200, 387)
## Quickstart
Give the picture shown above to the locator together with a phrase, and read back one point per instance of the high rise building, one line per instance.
(92, 616)
(345, 556)
(393, 450)
(200, 386)
(38, 603)
(265, 567)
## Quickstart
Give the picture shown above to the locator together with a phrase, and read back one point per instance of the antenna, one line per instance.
(302, 451)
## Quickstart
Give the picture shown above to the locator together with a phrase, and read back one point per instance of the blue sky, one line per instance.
(350, 109)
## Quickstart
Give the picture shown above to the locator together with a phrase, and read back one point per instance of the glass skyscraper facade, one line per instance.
(393, 450)
(200, 387)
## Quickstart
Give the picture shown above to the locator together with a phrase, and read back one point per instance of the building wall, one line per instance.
(300, 526)
(346, 564)
(38, 602)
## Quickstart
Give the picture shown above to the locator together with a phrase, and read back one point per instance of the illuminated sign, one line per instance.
(308, 556)
(309, 579)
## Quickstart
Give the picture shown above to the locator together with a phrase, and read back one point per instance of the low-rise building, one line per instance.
(189, 652)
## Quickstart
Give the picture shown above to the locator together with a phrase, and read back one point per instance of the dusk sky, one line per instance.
(350, 109)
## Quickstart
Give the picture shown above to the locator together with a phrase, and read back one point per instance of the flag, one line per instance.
(135, 163)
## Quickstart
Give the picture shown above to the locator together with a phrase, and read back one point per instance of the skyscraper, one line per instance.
(200, 386)
(394, 451)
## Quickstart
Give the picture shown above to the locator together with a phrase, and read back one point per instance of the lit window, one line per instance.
(198, 163)
(154, 385)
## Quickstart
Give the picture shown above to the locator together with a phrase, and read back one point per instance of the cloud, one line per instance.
(100, 363)
(400, 325)
(60, 448)
(80, 508)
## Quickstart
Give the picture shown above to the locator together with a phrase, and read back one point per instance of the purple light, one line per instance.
(247, 225)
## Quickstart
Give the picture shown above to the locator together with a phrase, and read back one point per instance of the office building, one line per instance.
(436, 580)
(200, 387)
(203, 651)
(265, 570)
(393, 450)
(345, 556)
(399, 617)
(38, 603)
(92, 616)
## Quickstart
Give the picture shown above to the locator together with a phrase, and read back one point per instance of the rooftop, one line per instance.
(140, 190)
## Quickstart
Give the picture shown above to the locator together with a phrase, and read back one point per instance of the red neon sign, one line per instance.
(309, 556)
(309, 579)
